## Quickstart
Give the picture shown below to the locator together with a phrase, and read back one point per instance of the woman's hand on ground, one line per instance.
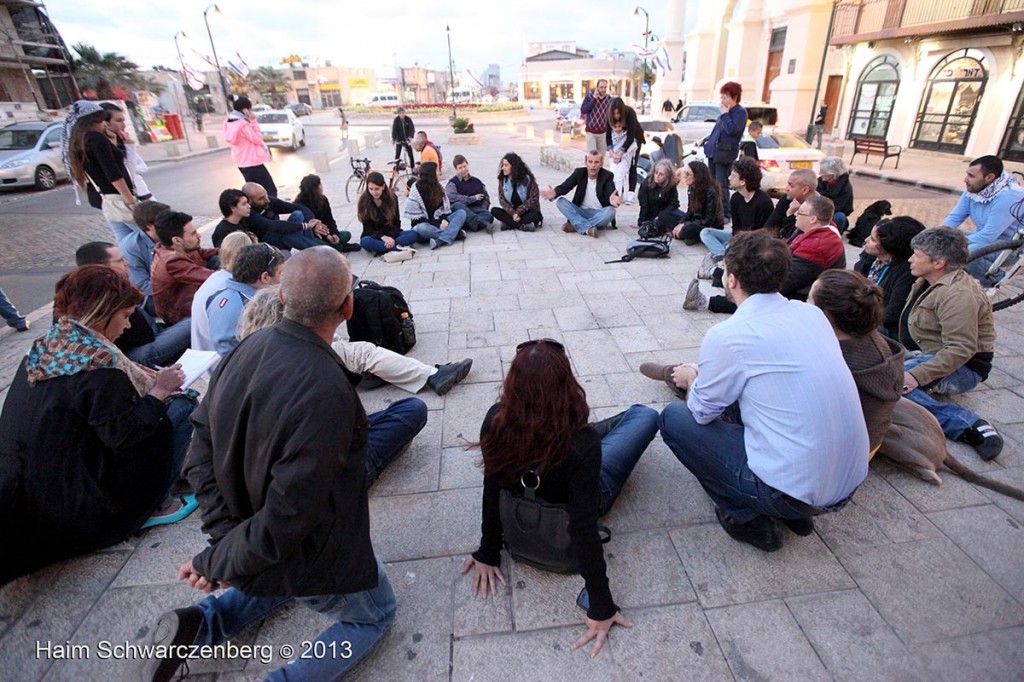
(485, 578)
(597, 630)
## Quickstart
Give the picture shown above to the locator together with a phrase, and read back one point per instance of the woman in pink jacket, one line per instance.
(243, 135)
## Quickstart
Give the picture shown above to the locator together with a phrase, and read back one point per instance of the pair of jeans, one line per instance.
(300, 239)
(598, 142)
(179, 409)
(531, 217)
(716, 240)
(476, 218)
(10, 313)
(953, 418)
(716, 455)
(621, 449)
(582, 219)
(361, 619)
(377, 247)
(839, 218)
(170, 342)
(722, 171)
(390, 431)
(428, 231)
(399, 146)
(261, 176)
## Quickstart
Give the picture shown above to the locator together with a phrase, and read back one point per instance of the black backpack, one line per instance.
(378, 318)
(644, 248)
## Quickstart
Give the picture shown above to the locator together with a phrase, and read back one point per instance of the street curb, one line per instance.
(877, 175)
(183, 157)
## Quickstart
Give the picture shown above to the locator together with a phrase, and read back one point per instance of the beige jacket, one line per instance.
(953, 321)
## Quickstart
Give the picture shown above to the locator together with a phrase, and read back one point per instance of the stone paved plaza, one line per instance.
(910, 581)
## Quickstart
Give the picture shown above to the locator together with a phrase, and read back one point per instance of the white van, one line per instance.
(384, 99)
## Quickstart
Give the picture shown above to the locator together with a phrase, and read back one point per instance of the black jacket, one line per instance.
(104, 164)
(778, 220)
(84, 461)
(278, 463)
(262, 223)
(653, 202)
(578, 180)
(841, 193)
(400, 132)
(896, 284)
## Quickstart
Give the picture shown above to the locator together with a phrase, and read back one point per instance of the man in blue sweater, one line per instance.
(989, 201)
(469, 192)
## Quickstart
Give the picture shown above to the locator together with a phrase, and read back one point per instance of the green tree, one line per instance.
(105, 72)
(270, 82)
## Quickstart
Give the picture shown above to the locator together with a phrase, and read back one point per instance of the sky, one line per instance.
(355, 34)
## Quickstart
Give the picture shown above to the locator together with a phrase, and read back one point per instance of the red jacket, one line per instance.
(175, 278)
(813, 252)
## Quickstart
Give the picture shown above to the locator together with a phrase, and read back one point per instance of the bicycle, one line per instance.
(399, 175)
(1003, 281)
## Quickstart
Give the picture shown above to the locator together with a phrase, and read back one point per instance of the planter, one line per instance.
(464, 138)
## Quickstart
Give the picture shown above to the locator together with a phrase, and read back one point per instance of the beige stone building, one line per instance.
(34, 62)
(553, 71)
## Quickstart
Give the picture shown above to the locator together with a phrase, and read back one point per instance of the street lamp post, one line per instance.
(647, 35)
(451, 71)
(220, 72)
(184, 81)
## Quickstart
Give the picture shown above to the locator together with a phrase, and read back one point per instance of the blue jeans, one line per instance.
(953, 418)
(839, 218)
(428, 231)
(376, 246)
(621, 449)
(10, 313)
(179, 409)
(722, 171)
(582, 219)
(299, 239)
(170, 342)
(361, 621)
(716, 455)
(121, 230)
(390, 431)
(476, 218)
(716, 240)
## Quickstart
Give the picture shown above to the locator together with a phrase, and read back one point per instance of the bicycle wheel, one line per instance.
(1003, 281)
(354, 187)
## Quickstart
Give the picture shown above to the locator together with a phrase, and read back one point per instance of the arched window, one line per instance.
(876, 95)
(1012, 148)
(950, 102)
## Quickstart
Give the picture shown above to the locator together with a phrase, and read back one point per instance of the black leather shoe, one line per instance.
(761, 532)
(802, 527)
(448, 375)
(174, 628)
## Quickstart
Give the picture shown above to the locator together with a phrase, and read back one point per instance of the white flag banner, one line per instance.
(239, 66)
(195, 79)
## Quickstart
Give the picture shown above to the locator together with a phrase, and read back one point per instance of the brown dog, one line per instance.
(915, 441)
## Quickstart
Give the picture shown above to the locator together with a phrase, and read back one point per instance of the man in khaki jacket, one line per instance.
(950, 337)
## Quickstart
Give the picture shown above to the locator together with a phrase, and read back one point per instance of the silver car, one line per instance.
(30, 155)
(696, 121)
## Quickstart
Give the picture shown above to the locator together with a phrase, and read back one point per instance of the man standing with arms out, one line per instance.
(402, 131)
(801, 448)
(180, 266)
(595, 109)
(282, 484)
(594, 202)
(469, 192)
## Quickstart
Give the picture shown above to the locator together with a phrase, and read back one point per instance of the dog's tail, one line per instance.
(963, 472)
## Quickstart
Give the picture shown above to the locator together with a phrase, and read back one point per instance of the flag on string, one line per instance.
(239, 66)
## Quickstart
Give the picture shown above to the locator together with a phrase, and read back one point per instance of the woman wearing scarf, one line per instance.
(92, 442)
(97, 167)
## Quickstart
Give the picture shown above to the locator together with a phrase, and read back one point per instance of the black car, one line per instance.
(300, 109)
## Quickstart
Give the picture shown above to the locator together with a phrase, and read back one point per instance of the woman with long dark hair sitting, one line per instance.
(703, 204)
(519, 196)
(885, 261)
(540, 425)
(92, 441)
(378, 212)
(311, 195)
(429, 210)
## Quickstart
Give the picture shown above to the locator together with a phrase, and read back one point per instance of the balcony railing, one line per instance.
(882, 16)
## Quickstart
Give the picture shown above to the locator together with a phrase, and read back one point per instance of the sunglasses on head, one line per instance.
(272, 252)
(534, 342)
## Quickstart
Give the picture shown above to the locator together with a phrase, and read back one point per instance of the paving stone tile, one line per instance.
(483, 303)
(599, 393)
(992, 538)
(724, 571)
(930, 590)
(612, 309)
(486, 365)
(661, 493)
(927, 497)
(594, 352)
(419, 293)
(531, 656)
(851, 638)
(877, 515)
(541, 599)
(762, 641)
(998, 405)
(534, 300)
(418, 644)
(459, 469)
(418, 468)
(1014, 477)
(634, 388)
(161, 551)
(486, 339)
(644, 569)
(485, 613)
(410, 527)
(666, 301)
(1011, 456)
(995, 656)
(633, 339)
(18, 595)
(465, 409)
(522, 320)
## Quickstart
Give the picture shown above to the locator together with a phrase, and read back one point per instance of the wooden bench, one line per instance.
(869, 145)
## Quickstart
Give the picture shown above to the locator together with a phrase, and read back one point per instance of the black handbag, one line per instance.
(536, 532)
(725, 153)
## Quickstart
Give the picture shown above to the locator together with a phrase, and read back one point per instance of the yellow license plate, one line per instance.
(269, 138)
(801, 164)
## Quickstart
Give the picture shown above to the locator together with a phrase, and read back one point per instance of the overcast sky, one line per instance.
(368, 34)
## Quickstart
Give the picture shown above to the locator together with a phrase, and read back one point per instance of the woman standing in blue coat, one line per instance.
(722, 146)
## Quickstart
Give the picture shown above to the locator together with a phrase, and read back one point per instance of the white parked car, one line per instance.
(779, 153)
(30, 155)
(695, 121)
(281, 128)
(655, 127)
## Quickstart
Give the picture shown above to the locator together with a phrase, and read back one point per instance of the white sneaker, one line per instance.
(630, 198)
(695, 300)
(707, 267)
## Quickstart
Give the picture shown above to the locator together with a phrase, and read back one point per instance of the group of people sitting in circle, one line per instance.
(789, 400)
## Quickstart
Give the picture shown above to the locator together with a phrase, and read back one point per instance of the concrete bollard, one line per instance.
(549, 137)
(353, 148)
(372, 140)
(510, 126)
(173, 150)
(211, 141)
(529, 132)
(320, 164)
(385, 135)
(566, 140)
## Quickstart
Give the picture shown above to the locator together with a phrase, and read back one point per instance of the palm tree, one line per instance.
(105, 72)
(270, 82)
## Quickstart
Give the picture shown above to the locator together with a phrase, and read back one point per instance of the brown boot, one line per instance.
(568, 228)
(659, 372)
